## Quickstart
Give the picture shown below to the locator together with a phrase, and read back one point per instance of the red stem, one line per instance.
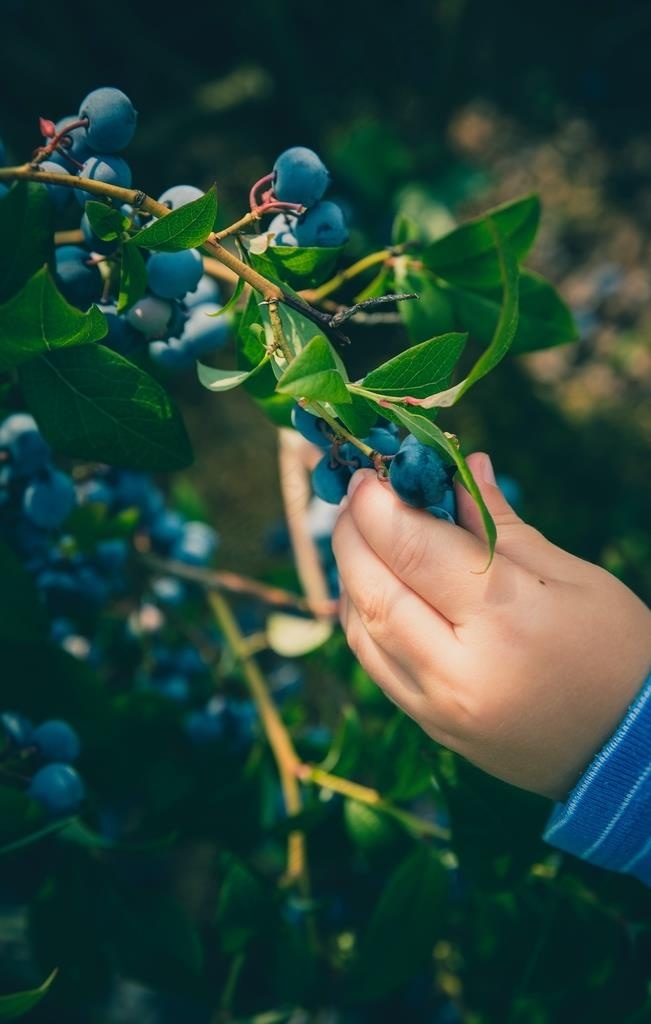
(44, 151)
(253, 194)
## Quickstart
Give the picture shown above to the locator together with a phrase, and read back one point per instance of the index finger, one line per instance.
(440, 561)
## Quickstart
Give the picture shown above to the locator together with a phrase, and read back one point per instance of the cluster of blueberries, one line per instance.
(177, 318)
(299, 176)
(417, 473)
(51, 747)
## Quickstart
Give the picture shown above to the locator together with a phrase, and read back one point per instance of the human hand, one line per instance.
(525, 669)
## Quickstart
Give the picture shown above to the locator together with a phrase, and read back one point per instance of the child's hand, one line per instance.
(525, 669)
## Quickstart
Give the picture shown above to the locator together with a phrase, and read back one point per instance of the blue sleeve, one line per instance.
(607, 817)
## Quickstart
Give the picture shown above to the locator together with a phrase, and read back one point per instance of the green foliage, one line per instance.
(91, 403)
(38, 319)
(299, 268)
(26, 230)
(108, 223)
(20, 1003)
(184, 228)
(315, 373)
(133, 276)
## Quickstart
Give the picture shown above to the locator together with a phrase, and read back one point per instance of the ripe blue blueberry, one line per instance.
(136, 490)
(94, 491)
(446, 508)
(112, 555)
(313, 428)
(112, 170)
(171, 274)
(150, 316)
(419, 475)
(323, 225)
(79, 280)
(179, 195)
(197, 544)
(299, 176)
(121, 336)
(111, 119)
(28, 450)
(171, 355)
(166, 529)
(48, 502)
(60, 195)
(58, 788)
(56, 741)
(282, 227)
(169, 591)
(16, 728)
(330, 480)
(208, 725)
(204, 332)
(383, 440)
(206, 291)
(174, 687)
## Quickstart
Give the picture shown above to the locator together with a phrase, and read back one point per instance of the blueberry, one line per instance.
(27, 448)
(282, 227)
(136, 490)
(207, 725)
(171, 355)
(204, 332)
(56, 741)
(95, 492)
(166, 529)
(511, 490)
(111, 119)
(17, 728)
(323, 225)
(79, 280)
(112, 170)
(60, 195)
(299, 176)
(197, 544)
(171, 274)
(383, 440)
(206, 291)
(58, 788)
(330, 480)
(446, 508)
(61, 629)
(180, 195)
(168, 591)
(121, 336)
(49, 501)
(150, 316)
(112, 555)
(353, 458)
(311, 427)
(3, 190)
(418, 474)
(175, 688)
(189, 662)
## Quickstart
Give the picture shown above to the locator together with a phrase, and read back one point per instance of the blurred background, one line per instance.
(440, 109)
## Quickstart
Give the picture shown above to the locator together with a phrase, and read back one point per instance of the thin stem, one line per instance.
(341, 431)
(350, 272)
(370, 797)
(74, 237)
(280, 741)
(140, 200)
(278, 332)
(255, 188)
(239, 225)
(45, 151)
(233, 583)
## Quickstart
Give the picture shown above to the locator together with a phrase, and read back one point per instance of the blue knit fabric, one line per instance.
(607, 817)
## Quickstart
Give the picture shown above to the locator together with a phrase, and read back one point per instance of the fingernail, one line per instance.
(487, 471)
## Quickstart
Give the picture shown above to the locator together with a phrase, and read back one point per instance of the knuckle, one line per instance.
(373, 611)
(409, 554)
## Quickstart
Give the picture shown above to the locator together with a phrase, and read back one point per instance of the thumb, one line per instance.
(515, 539)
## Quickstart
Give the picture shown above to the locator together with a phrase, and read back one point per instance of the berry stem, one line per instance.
(372, 260)
(43, 152)
(370, 797)
(278, 333)
(279, 739)
(253, 194)
(340, 431)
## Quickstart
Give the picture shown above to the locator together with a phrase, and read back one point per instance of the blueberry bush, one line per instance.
(201, 793)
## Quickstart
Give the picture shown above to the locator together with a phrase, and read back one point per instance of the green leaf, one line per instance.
(346, 750)
(107, 222)
(38, 319)
(316, 373)
(357, 416)
(26, 227)
(35, 837)
(239, 288)
(91, 403)
(431, 313)
(22, 616)
(404, 926)
(133, 277)
(20, 1003)
(418, 371)
(299, 268)
(468, 256)
(244, 907)
(370, 829)
(545, 320)
(225, 380)
(430, 434)
(74, 831)
(184, 228)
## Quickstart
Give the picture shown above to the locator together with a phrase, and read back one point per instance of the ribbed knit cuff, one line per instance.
(607, 817)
